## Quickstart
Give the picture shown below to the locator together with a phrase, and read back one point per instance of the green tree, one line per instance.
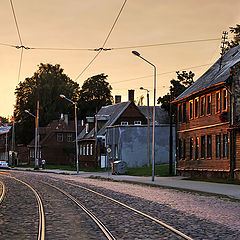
(95, 93)
(46, 84)
(236, 37)
(184, 80)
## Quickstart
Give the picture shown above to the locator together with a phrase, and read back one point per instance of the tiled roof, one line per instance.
(161, 115)
(214, 75)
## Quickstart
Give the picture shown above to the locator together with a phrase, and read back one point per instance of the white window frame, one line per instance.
(69, 137)
(87, 149)
(91, 149)
(80, 150)
(124, 123)
(59, 139)
(84, 150)
(137, 123)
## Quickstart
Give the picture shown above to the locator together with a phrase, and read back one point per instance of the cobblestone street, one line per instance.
(196, 215)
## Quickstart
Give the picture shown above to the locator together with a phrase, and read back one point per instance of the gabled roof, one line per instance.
(113, 112)
(161, 115)
(214, 75)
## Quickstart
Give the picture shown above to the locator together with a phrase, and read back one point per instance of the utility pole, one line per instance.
(224, 40)
(13, 141)
(171, 135)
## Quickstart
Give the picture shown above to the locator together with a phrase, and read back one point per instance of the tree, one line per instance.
(3, 120)
(236, 38)
(184, 80)
(95, 93)
(46, 84)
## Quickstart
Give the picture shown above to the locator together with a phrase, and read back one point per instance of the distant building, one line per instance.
(208, 125)
(5, 142)
(56, 144)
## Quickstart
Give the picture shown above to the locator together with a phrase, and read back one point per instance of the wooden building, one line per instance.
(208, 122)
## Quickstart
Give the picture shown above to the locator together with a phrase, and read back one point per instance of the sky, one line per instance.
(85, 24)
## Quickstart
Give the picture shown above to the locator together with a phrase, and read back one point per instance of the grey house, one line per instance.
(129, 143)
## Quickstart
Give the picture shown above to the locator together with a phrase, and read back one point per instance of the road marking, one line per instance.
(5, 173)
(3, 191)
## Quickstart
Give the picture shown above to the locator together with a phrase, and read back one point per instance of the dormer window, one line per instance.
(137, 122)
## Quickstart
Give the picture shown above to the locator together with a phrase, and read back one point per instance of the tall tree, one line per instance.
(236, 37)
(95, 93)
(184, 80)
(3, 120)
(46, 84)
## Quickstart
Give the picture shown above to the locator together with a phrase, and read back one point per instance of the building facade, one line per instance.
(208, 136)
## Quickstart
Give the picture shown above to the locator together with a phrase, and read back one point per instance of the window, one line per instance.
(124, 123)
(218, 146)
(225, 100)
(80, 150)
(184, 149)
(180, 112)
(179, 148)
(60, 137)
(137, 122)
(191, 109)
(196, 107)
(225, 145)
(91, 149)
(218, 102)
(202, 105)
(209, 146)
(116, 151)
(31, 154)
(197, 148)
(84, 150)
(191, 148)
(87, 153)
(69, 137)
(184, 112)
(209, 104)
(202, 146)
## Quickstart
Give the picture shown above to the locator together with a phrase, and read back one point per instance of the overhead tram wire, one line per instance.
(104, 43)
(20, 39)
(164, 73)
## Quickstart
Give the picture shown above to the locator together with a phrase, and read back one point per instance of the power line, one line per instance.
(15, 19)
(104, 43)
(164, 73)
(169, 43)
(20, 39)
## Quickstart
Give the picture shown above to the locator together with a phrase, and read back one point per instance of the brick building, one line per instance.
(208, 122)
(56, 144)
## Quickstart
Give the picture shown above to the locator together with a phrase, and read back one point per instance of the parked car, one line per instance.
(3, 164)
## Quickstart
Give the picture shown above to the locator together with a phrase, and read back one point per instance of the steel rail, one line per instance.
(103, 228)
(41, 225)
(3, 191)
(136, 211)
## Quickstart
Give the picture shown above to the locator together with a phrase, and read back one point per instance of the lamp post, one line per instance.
(148, 123)
(75, 107)
(36, 139)
(154, 100)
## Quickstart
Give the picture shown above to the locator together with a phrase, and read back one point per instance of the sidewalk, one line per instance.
(227, 190)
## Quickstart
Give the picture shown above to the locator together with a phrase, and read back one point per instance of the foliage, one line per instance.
(46, 84)
(236, 37)
(95, 93)
(139, 101)
(184, 80)
(3, 120)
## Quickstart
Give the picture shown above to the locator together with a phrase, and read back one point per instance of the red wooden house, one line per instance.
(208, 122)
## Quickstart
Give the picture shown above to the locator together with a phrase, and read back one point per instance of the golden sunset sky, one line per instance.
(85, 24)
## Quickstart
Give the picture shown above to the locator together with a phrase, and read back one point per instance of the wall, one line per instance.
(131, 142)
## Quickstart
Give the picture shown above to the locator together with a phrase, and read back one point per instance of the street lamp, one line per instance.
(75, 107)
(148, 123)
(154, 100)
(36, 133)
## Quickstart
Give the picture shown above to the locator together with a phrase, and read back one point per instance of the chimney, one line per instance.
(118, 99)
(131, 95)
(66, 118)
